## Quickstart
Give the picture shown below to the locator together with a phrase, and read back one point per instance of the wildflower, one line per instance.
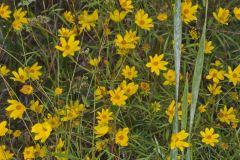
(202, 108)
(101, 144)
(215, 75)
(209, 137)
(29, 153)
(94, 61)
(19, 19)
(72, 111)
(194, 34)
(227, 115)
(68, 47)
(214, 89)
(40, 151)
(54, 121)
(26, 89)
(65, 32)
(3, 70)
(188, 12)
(156, 106)
(68, 16)
(42, 131)
(129, 89)
(146, 46)
(126, 5)
(236, 12)
(35, 106)
(117, 16)
(17, 133)
(34, 72)
(3, 129)
(5, 11)
(217, 63)
(170, 77)
(156, 64)
(101, 130)
(145, 87)
(121, 138)
(87, 20)
(118, 97)
(208, 47)
(222, 15)
(233, 75)
(162, 17)
(20, 76)
(224, 146)
(15, 109)
(5, 154)
(58, 91)
(129, 73)
(100, 92)
(129, 40)
(104, 116)
(171, 110)
(142, 20)
(177, 140)
(60, 144)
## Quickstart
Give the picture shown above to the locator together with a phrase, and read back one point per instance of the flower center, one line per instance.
(121, 137)
(18, 107)
(155, 63)
(142, 22)
(67, 47)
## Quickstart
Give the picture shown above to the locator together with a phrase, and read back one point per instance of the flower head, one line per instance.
(171, 110)
(121, 138)
(233, 75)
(236, 12)
(117, 16)
(227, 115)
(3, 129)
(100, 92)
(177, 140)
(15, 109)
(19, 19)
(68, 47)
(118, 97)
(162, 17)
(214, 89)
(29, 153)
(208, 47)
(170, 77)
(26, 89)
(215, 75)
(4, 70)
(20, 76)
(126, 5)
(86, 21)
(129, 73)
(188, 12)
(42, 131)
(34, 72)
(142, 20)
(209, 137)
(222, 15)
(68, 16)
(156, 64)
(5, 11)
(104, 116)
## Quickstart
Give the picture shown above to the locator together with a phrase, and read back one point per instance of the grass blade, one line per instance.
(185, 105)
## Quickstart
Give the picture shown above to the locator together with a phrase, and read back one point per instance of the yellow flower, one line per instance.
(29, 153)
(129, 73)
(35, 106)
(42, 131)
(170, 111)
(72, 111)
(202, 108)
(129, 40)
(17, 133)
(217, 63)
(177, 140)
(170, 77)
(208, 47)
(20, 76)
(236, 12)
(222, 16)
(5, 154)
(194, 34)
(215, 75)
(34, 72)
(58, 91)
(156, 64)
(121, 138)
(118, 97)
(19, 19)
(188, 12)
(65, 32)
(3, 70)
(68, 16)
(129, 89)
(162, 17)
(100, 92)
(94, 61)
(142, 20)
(101, 144)
(145, 87)
(117, 16)
(227, 115)
(126, 5)
(60, 144)
(156, 106)
(40, 151)
(214, 89)
(233, 75)
(54, 121)
(104, 116)
(87, 21)
(15, 109)
(5, 11)
(26, 89)
(101, 129)
(209, 137)
(3, 129)
(68, 47)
